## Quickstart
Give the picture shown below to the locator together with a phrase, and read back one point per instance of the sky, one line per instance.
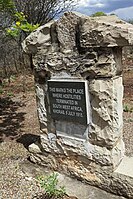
(122, 8)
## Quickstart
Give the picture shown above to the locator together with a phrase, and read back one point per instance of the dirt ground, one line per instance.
(18, 109)
(128, 111)
(19, 127)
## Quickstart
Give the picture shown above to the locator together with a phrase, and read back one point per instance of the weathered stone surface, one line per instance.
(89, 172)
(106, 105)
(34, 148)
(105, 31)
(117, 153)
(65, 45)
(84, 151)
(41, 109)
(67, 28)
(40, 39)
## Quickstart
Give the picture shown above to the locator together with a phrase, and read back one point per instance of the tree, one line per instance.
(98, 14)
(19, 18)
(42, 11)
(37, 11)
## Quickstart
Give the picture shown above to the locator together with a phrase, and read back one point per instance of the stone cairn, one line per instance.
(78, 48)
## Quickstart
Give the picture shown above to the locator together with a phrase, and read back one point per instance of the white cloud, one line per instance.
(83, 3)
(124, 13)
(124, 9)
(90, 3)
(99, 5)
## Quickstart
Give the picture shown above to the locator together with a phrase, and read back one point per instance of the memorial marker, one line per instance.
(68, 100)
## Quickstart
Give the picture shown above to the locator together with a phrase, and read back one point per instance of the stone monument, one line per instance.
(79, 90)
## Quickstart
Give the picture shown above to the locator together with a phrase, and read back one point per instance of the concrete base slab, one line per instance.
(83, 191)
(126, 167)
(72, 186)
(119, 182)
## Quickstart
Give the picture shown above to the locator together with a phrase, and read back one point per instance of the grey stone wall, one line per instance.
(78, 47)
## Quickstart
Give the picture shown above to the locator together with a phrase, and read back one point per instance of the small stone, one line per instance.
(33, 148)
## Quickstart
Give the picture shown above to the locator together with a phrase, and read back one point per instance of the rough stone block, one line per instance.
(105, 31)
(34, 148)
(41, 106)
(106, 105)
(39, 39)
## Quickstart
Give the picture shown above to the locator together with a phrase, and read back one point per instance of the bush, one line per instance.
(98, 14)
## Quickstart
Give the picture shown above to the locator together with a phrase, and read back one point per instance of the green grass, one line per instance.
(49, 184)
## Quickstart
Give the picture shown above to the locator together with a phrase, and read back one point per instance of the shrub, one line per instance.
(98, 14)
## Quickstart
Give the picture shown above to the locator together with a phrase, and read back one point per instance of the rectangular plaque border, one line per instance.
(87, 97)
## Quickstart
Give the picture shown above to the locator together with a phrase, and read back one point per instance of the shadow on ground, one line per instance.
(10, 118)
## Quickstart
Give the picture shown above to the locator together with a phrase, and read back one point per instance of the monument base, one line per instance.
(103, 174)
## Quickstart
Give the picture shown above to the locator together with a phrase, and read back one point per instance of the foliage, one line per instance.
(98, 14)
(49, 184)
(28, 14)
(20, 25)
(113, 14)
